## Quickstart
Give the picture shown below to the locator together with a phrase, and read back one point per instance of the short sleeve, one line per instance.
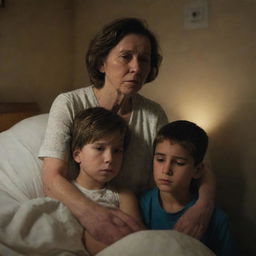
(57, 136)
(144, 205)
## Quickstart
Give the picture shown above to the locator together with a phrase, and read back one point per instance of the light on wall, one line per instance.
(203, 112)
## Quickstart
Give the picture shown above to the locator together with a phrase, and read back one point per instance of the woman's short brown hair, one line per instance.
(109, 37)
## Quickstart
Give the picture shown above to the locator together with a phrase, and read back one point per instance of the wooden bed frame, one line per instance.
(11, 113)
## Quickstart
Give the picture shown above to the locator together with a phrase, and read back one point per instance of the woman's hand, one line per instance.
(195, 220)
(108, 225)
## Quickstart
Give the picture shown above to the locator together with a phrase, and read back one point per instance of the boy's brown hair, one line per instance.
(95, 123)
(187, 134)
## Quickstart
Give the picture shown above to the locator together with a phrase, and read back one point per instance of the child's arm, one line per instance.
(127, 204)
(195, 220)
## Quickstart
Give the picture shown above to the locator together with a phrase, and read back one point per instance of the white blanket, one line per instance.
(157, 243)
(31, 224)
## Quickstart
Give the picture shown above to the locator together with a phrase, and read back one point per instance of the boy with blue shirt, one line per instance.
(179, 149)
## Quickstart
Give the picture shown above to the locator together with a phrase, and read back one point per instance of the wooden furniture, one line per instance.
(11, 113)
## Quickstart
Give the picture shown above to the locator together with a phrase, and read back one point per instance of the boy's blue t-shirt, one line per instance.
(217, 237)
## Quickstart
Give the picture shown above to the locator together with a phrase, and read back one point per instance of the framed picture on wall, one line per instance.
(1, 3)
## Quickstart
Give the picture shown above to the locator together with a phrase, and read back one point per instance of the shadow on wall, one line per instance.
(233, 155)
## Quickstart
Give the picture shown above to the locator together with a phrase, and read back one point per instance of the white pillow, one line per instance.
(31, 224)
(20, 168)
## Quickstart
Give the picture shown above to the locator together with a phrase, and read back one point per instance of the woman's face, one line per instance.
(128, 64)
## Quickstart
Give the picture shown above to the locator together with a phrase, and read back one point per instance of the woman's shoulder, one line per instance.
(142, 100)
(147, 105)
(150, 109)
(76, 99)
(76, 93)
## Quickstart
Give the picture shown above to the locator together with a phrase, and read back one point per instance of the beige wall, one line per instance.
(207, 76)
(35, 50)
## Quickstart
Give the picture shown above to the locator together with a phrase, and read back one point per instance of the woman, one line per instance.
(120, 60)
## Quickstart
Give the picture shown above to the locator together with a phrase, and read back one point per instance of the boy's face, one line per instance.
(174, 168)
(99, 161)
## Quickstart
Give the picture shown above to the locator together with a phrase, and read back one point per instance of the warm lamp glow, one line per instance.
(201, 117)
(206, 105)
(206, 115)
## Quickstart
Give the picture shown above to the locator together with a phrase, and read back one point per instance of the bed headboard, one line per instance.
(11, 113)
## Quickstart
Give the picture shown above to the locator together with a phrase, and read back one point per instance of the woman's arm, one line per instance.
(196, 219)
(104, 224)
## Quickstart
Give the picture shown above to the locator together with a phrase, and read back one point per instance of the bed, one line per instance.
(31, 224)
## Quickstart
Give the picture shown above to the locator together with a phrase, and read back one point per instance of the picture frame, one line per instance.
(2, 3)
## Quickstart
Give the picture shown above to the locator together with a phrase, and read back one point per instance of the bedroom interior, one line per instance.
(207, 76)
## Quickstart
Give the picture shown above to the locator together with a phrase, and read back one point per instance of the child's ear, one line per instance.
(199, 169)
(76, 155)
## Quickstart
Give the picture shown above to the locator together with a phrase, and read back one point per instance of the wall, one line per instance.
(35, 50)
(207, 76)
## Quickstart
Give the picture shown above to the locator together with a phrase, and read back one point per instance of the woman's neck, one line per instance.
(172, 203)
(115, 101)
